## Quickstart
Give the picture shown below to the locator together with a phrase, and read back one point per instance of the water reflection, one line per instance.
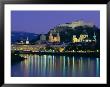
(56, 66)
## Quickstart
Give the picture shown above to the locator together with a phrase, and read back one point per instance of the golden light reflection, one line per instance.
(64, 66)
(51, 65)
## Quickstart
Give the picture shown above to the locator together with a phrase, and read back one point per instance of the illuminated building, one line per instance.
(82, 37)
(21, 42)
(29, 47)
(75, 39)
(27, 41)
(50, 37)
(54, 38)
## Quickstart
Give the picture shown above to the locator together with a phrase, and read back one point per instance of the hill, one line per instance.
(18, 36)
(67, 30)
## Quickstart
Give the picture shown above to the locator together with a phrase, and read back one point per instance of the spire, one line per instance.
(27, 38)
(94, 36)
(27, 41)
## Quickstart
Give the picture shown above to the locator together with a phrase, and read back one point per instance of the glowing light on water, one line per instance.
(51, 65)
(64, 66)
(73, 62)
(73, 67)
(97, 66)
(53, 58)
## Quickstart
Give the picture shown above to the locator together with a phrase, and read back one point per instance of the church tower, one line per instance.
(58, 37)
(94, 36)
(27, 41)
(50, 37)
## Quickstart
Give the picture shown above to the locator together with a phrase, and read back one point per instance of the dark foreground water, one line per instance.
(56, 66)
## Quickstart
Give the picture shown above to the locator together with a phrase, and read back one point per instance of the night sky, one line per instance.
(42, 21)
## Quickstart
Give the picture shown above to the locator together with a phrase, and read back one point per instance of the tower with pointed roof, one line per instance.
(50, 37)
(58, 37)
(94, 36)
(27, 41)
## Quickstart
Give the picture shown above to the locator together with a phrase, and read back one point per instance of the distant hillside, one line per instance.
(76, 24)
(67, 30)
(18, 36)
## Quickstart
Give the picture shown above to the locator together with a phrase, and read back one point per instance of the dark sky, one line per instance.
(42, 21)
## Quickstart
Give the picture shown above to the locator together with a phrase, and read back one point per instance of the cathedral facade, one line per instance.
(54, 37)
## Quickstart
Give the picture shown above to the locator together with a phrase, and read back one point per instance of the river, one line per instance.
(56, 66)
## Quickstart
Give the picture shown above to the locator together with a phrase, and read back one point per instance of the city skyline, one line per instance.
(42, 21)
